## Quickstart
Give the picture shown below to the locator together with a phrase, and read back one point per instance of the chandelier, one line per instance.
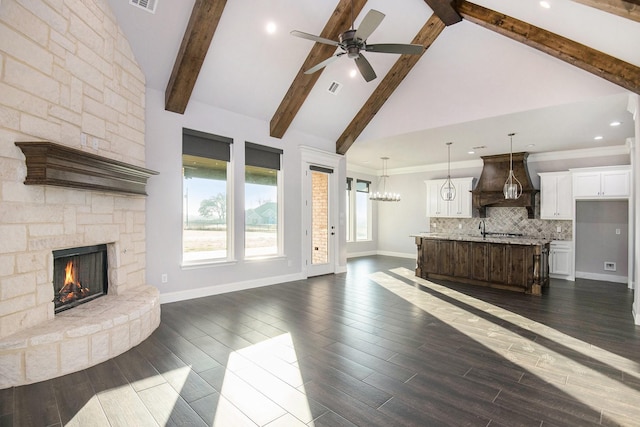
(382, 184)
(448, 190)
(512, 188)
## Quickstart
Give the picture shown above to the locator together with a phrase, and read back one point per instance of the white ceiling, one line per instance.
(471, 87)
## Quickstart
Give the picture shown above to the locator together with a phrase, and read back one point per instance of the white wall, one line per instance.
(597, 241)
(164, 204)
(634, 108)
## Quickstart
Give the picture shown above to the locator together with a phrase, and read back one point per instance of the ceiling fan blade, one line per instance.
(369, 24)
(313, 38)
(324, 63)
(366, 70)
(410, 49)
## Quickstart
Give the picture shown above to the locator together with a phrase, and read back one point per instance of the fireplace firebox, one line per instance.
(79, 275)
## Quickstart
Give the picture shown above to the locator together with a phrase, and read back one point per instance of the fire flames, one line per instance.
(72, 289)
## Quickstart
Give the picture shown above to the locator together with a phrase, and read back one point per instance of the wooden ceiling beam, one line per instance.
(426, 36)
(302, 84)
(195, 44)
(629, 9)
(445, 10)
(602, 65)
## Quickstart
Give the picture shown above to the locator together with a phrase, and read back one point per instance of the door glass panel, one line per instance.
(320, 218)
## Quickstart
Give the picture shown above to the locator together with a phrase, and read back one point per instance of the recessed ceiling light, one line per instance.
(545, 4)
(271, 27)
(616, 123)
(598, 138)
(353, 73)
(471, 152)
(530, 145)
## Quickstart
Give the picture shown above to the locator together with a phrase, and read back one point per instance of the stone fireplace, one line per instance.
(74, 300)
(70, 77)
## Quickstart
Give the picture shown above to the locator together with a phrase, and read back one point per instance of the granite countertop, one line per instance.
(511, 240)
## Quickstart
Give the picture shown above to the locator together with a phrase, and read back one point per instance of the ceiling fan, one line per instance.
(353, 42)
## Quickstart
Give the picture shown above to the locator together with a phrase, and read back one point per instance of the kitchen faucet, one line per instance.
(482, 228)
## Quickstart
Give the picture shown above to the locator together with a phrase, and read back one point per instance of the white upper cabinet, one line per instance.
(556, 201)
(605, 182)
(460, 207)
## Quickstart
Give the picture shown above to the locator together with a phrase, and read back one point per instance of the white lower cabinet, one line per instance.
(560, 260)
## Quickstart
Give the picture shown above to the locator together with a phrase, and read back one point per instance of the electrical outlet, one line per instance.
(83, 139)
(460, 226)
(164, 278)
(609, 266)
(559, 229)
(617, 231)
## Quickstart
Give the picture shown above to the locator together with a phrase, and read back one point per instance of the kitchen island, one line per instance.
(513, 263)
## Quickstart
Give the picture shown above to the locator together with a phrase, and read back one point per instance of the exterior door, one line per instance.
(322, 230)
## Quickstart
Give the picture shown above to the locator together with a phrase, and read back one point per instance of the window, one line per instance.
(205, 167)
(262, 232)
(349, 210)
(362, 222)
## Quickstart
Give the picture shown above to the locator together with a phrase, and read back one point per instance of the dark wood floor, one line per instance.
(373, 347)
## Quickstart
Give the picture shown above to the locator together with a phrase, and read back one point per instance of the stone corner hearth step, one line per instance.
(79, 338)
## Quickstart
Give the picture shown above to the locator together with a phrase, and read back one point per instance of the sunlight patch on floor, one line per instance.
(572, 377)
(91, 414)
(263, 384)
(160, 411)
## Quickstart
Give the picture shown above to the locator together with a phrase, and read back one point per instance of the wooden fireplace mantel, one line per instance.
(54, 164)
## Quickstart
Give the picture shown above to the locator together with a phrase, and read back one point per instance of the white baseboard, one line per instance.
(384, 253)
(398, 254)
(359, 254)
(601, 277)
(563, 277)
(227, 287)
(249, 284)
(636, 315)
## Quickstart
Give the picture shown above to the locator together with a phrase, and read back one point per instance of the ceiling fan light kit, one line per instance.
(353, 42)
(384, 196)
(512, 187)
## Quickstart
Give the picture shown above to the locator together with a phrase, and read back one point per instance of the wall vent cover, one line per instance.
(334, 87)
(148, 5)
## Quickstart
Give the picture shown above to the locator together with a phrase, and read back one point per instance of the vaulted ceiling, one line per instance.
(556, 76)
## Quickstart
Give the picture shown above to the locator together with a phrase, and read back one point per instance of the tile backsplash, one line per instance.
(505, 220)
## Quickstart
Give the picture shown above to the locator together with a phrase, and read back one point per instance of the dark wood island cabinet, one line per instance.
(517, 264)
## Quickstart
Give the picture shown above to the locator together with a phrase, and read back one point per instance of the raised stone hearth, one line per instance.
(79, 338)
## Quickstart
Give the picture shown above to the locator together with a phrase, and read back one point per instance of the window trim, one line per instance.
(203, 144)
(350, 205)
(369, 236)
(266, 157)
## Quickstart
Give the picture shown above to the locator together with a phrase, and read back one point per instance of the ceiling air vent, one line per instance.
(148, 5)
(334, 87)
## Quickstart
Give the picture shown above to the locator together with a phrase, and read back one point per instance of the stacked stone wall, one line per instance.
(67, 75)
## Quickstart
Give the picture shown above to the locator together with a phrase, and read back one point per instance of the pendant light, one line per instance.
(382, 184)
(512, 187)
(448, 190)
